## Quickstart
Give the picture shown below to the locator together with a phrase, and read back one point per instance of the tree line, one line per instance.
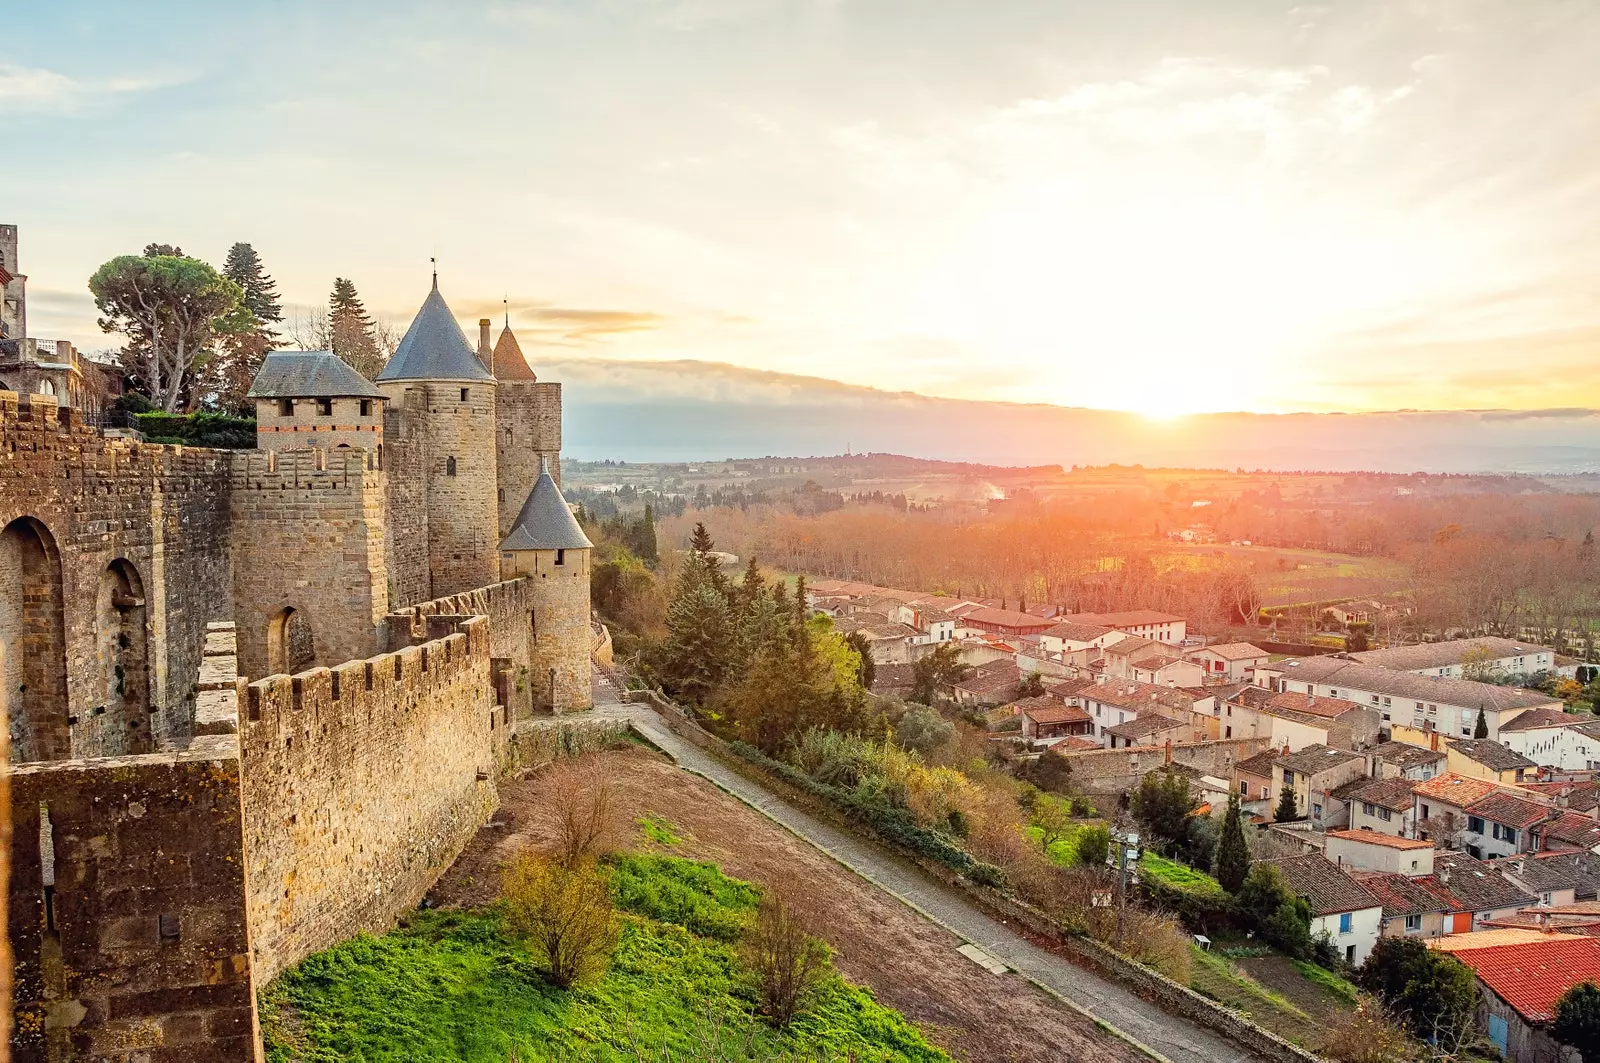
(196, 337)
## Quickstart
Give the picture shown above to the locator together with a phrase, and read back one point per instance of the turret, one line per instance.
(449, 398)
(528, 426)
(548, 547)
(314, 399)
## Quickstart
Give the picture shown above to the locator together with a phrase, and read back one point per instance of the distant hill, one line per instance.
(691, 410)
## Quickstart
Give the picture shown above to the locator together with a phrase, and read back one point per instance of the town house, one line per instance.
(1312, 774)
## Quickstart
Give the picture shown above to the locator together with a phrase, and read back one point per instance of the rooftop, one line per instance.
(1393, 794)
(1473, 940)
(1458, 790)
(1234, 651)
(1447, 654)
(1325, 885)
(1577, 870)
(1260, 764)
(1007, 618)
(1549, 716)
(509, 363)
(1398, 894)
(1340, 670)
(1531, 977)
(1126, 694)
(1469, 885)
(309, 375)
(434, 347)
(1309, 704)
(1513, 811)
(1572, 828)
(1491, 755)
(1372, 837)
(1077, 632)
(1314, 759)
(1124, 619)
(545, 522)
(1131, 646)
(1143, 726)
(1404, 755)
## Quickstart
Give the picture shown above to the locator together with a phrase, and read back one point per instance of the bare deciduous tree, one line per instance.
(583, 799)
(565, 911)
(787, 960)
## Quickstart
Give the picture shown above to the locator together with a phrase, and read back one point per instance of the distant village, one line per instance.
(1428, 801)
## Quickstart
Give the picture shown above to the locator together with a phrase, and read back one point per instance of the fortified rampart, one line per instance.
(528, 421)
(309, 556)
(510, 609)
(1114, 770)
(361, 784)
(114, 555)
(127, 909)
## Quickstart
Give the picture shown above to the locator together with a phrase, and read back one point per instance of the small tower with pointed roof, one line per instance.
(528, 426)
(547, 546)
(445, 398)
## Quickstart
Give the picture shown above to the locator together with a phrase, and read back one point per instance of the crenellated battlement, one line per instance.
(507, 598)
(310, 468)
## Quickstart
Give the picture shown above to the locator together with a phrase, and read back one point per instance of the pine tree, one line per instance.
(1287, 811)
(1232, 864)
(239, 357)
(1482, 729)
(352, 329)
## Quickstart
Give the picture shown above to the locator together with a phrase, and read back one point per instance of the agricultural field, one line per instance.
(1291, 576)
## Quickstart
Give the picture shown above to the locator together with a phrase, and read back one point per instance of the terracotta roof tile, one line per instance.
(1454, 789)
(1532, 977)
(1491, 755)
(1510, 810)
(1325, 885)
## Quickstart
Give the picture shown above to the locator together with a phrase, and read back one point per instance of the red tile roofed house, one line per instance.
(1049, 717)
(1064, 638)
(1382, 805)
(1341, 907)
(1368, 850)
(1558, 878)
(1229, 662)
(994, 683)
(1145, 623)
(1314, 774)
(1474, 891)
(1149, 729)
(1252, 777)
(1554, 739)
(1581, 918)
(1297, 719)
(1409, 909)
(1569, 830)
(1006, 622)
(1441, 805)
(1502, 824)
(1520, 985)
(1117, 701)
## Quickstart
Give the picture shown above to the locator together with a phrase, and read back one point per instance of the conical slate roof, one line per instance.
(434, 347)
(309, 375)
(545, 522)
(509, 364)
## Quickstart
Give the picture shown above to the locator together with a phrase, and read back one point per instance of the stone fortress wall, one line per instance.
(528, 428)
(184, 833)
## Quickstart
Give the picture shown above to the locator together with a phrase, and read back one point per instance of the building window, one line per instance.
(285, 407)
(366, 407)
(1316, 811)
(1475, 824)
(465, 392)
(1413, 923)
(449, 466)
(1368, 809)
(1244, 787)
(324, 407)
(1346, 922)
(561, 557)
(1385, 815)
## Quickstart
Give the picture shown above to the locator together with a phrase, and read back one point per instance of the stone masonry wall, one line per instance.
(405, 461)
(463, 516)
(308, 535)
(307, 426)
(1114, 770)
(563, 641)
(509, 608)
(527, 427)
(160, 511)
(361, 785)
(143, 951)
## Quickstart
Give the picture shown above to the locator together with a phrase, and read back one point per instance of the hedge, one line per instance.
(893, 825)
(198, 429)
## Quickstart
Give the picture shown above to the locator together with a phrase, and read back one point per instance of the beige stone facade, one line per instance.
(296, 424)
(558, 673)
(527, 431)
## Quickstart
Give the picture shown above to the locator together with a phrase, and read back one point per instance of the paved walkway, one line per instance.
(1167, 1035)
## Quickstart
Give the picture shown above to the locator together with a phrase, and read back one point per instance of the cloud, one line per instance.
(562, 325)
(36, 89)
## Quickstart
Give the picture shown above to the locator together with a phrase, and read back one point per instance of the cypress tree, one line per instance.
(351, 329)
(1482, 730)
(649, 550)
(1232, 863)
(1287, 812)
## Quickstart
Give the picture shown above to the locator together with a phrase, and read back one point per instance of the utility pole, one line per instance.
(1125, 844)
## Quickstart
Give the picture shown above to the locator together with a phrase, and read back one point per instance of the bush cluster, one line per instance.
(896, 826)
(198, 429)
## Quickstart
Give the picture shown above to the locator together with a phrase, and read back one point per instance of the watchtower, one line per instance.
(527, 425)
(448, 398)
(549, 548)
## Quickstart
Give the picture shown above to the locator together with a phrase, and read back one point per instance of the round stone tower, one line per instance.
(447, 395)
(548, 547)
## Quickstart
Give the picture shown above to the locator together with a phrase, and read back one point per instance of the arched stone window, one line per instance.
(123, 686)
(33, 656)
(291, 646)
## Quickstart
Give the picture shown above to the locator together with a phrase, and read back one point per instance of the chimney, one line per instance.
(485, 351)
(1433, 740)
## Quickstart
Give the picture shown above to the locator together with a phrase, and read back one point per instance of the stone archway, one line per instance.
(33, 687)
(123, 688)
(291, 647)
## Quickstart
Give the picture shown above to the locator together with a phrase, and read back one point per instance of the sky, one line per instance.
(1165, 206)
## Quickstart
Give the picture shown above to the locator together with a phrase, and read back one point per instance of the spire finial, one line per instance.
(506, 302)
(544, 465)
(435, 263)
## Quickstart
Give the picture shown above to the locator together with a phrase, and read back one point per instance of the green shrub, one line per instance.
(695, 896)
(892, 824)
(198, 429)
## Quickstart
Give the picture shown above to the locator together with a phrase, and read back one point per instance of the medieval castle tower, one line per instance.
(258, 700)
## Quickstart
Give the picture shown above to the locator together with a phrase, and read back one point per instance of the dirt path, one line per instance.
(909, 963)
